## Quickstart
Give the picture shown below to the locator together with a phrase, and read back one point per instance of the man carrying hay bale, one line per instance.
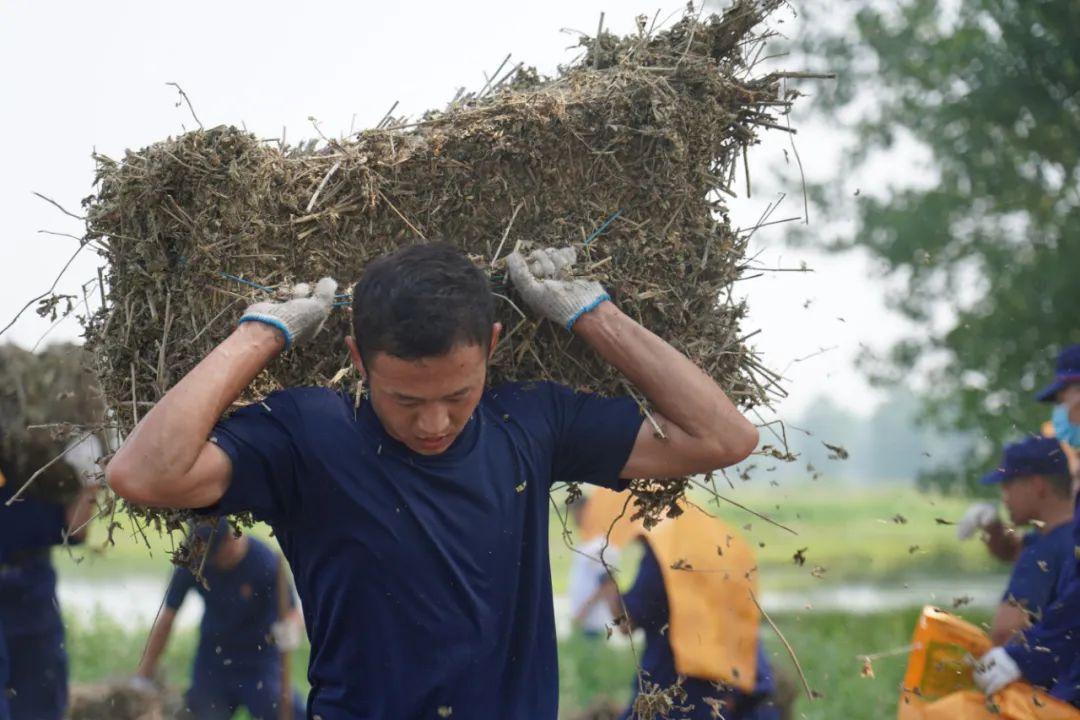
(415, 520)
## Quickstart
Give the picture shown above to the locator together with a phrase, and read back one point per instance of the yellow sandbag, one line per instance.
(601, 510)
(939, 683)
(940, 660)
(1018, 701)
(709, 571)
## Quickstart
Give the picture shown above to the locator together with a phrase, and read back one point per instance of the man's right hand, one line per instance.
(995, 670)
(300, 318)
(543, 281)
(978, 517)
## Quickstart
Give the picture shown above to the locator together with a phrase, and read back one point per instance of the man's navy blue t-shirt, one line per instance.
(1037, 574)
(241, 606)
(425, 580)
(647, 605)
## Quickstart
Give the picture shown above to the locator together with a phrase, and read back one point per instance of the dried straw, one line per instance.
(627, 153)
(46, 399)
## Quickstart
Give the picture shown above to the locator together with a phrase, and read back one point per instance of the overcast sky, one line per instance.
(79, 76)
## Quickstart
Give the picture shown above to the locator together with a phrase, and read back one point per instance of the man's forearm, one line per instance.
(155, 644)
(676, 387)
(166, 443)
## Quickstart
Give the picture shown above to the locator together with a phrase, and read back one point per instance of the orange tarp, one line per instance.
(709, 572)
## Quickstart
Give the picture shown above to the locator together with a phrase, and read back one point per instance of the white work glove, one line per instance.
(301, 317)
(141, 684)
(995, 670)
(978, 516)
(544, 283)
(82, 456)
(287, 635)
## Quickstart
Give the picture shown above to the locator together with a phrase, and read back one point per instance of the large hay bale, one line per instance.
(46, 399)
(117, 700)
(649, 127)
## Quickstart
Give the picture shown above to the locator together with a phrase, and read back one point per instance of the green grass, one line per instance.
(132, 551)
(827, 644)
(104, 651)
(883, 535)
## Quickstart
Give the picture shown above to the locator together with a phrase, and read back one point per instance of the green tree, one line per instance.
(992, 89)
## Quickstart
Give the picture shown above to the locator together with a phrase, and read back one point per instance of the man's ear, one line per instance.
(354, 355)
(496, 331)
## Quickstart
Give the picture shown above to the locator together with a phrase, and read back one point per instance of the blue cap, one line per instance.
(1068, 372)
(1033, 456)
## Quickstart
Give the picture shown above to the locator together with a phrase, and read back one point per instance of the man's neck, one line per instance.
(233, 555)
(1055, 515)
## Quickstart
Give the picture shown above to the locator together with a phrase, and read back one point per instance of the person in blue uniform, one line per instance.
(1036, 489)
(415, 520)
(1063, 394)
(692, 598)
(241, 637)
(1048, 653)
(32, 637)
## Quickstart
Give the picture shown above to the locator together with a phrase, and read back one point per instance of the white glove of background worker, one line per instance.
(544, 284)
(81, 455)
(300, 318)
(995, 670)
(141, 684)
(287, 635)
(977, 517)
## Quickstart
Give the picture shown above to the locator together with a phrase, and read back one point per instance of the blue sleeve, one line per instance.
(593, 436)
(30, 523)
(1046, 650)
(182, 580)
(1033, 579)
(646, 602)
(260, 442)
(765, 683)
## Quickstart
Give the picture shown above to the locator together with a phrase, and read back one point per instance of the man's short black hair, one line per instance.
(421, 301)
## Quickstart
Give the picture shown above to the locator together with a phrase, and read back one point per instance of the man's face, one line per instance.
(426, 403)
(1069, 396)
(1021, 498)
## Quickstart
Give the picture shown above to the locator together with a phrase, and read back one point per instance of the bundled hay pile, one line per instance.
(46, 399)
(639, 140)
(117, 700)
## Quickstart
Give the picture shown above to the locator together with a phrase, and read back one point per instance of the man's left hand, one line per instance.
(543, 282)
(995, 670)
